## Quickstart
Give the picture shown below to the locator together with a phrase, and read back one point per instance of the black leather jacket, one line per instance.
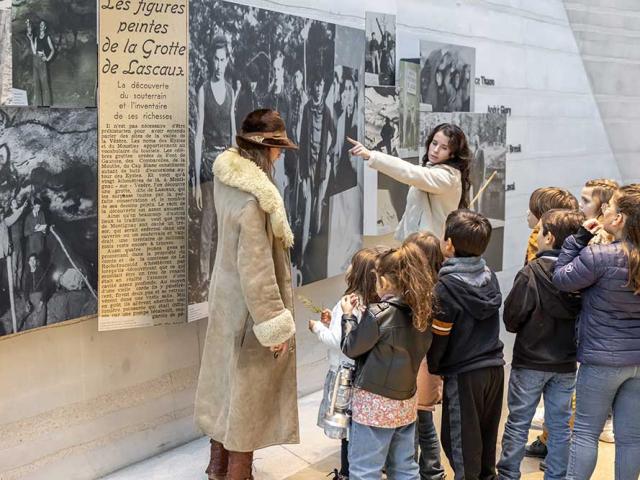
(386, 347)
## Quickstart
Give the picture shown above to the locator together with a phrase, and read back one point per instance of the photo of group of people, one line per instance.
(55, 52)
(249, 58)
(447, 76)
(380, 64)
(48, 216)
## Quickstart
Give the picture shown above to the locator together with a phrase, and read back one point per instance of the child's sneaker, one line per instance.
(537, 449)
(337, 475)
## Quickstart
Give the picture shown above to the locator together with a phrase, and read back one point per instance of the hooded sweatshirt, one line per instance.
(466, 323)
(542, 317)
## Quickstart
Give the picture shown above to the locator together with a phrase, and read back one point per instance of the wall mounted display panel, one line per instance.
(48, 230)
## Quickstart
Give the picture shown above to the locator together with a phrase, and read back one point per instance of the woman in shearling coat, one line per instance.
(246, 396)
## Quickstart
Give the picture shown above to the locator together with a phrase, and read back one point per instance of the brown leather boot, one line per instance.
(217, 469)
(240, 464)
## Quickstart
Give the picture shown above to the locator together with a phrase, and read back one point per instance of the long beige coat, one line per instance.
(246, 399)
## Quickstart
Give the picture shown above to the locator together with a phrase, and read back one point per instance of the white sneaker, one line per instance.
(607, 432)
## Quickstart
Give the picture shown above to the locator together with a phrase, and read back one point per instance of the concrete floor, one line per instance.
(312, 459)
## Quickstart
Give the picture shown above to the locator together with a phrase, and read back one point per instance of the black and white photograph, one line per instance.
(346, 196)
(382, 132)
(487, 137)
(249, 58)
(5, 54)
(408, 76)
(447, 76)
(380, 59)
(48, 206)
(55, 52)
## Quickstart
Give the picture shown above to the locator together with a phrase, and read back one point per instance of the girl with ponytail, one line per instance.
(608, 333)
(388, 345)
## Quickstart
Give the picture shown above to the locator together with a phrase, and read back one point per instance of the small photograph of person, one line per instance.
(215, 129)
(380, 52)
(43, 51)
(55, 52)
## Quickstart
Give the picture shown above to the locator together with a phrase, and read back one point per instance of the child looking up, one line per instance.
(388, 345)
(593, 196)
(542, 200)
(466, 348)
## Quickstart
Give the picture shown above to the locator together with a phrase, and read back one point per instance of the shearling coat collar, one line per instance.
(234, 170)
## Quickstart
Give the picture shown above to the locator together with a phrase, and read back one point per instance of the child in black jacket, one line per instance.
(466, 348)
(544, 355)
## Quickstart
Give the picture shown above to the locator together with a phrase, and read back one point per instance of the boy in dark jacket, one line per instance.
(544, 355)
(466, 348)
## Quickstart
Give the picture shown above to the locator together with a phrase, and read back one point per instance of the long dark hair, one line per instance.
(627, 199)
(460, 156)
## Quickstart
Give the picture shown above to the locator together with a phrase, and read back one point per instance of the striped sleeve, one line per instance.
(438, 327)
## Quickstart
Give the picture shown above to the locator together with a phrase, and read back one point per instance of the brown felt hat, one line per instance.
(265, 127)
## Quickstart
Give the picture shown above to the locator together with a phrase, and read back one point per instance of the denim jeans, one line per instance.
(370, 447)
(598, 389)
(525, 388)
(429, 459)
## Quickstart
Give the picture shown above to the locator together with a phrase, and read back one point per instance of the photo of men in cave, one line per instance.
(48, 217)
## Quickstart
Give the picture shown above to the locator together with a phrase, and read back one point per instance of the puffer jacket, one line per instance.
(608, 331)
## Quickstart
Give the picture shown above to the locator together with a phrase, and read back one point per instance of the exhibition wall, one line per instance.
(80, 403)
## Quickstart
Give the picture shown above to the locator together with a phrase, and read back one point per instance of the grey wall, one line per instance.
(608, 35)
(77, 404)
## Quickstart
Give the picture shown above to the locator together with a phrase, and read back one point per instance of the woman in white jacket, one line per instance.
(438, 186)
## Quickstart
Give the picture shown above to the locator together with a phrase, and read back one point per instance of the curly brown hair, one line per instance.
(404, 269)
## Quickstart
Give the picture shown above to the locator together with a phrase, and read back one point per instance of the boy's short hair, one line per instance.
(469, 232)
(561, 223)
(547, 198)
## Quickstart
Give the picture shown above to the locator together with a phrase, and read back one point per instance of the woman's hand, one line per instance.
(281, 349)
(593, 226)
(358, 150)
(325, 317)
(312, 324)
